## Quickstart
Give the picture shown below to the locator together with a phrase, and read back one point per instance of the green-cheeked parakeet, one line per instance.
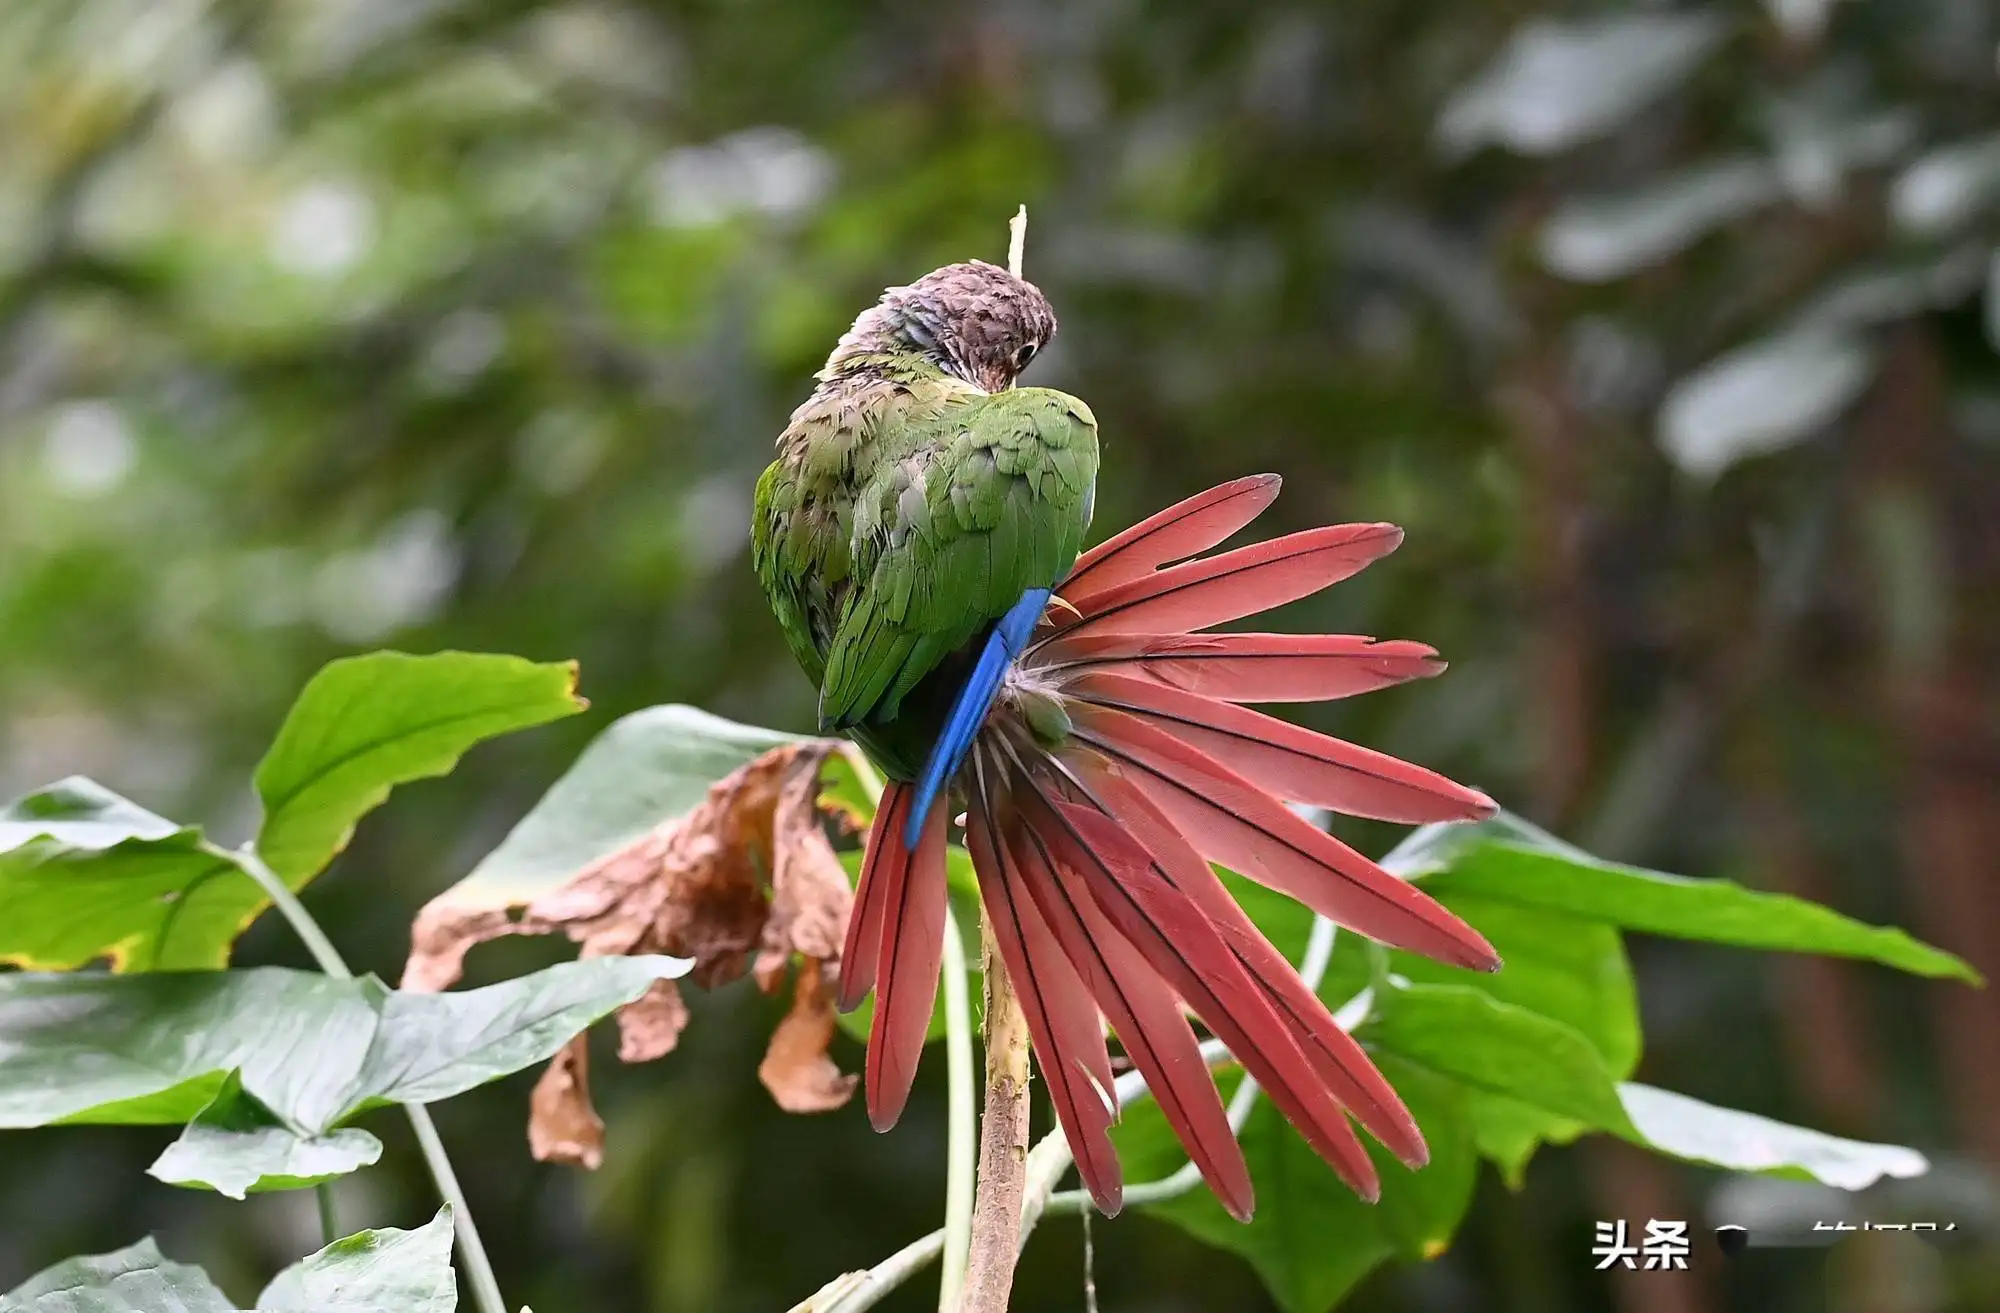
(918, 537)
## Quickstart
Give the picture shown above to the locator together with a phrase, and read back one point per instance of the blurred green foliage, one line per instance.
(1665, 331)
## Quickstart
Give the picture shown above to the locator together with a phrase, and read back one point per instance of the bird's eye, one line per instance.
(1024, 355)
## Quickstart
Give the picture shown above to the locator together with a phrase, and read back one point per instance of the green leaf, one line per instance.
(366, 724)
(86, 874)
(1745, 1142)
(1717, 911)
(647, 768)
(135, 1279)
(1496, 1048)
(237, 1147)
(842, 793)
(1508, 1132)
(385, 1271)
(81, 813)
(1560, 966)
(165, 1047)
(1311, 1239)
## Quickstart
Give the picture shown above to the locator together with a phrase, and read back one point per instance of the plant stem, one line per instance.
(963, 1134)
(1003, 1142)
(329, 1223)
(472, 1250)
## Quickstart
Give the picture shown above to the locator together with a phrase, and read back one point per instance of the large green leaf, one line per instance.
(135, 1279)
(648, 767)
(385, 1271)
(1531, 1078)
(1493, 1047)
(86, 874)
(366, 724)
(1559, 966)
(1714, 910)
(1563, 967)
(163, 1048)
(1311, 1239)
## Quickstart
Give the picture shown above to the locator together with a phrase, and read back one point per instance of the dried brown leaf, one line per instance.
(650, 1025)
(796, 1068)
(563, 1126)
(747, 871)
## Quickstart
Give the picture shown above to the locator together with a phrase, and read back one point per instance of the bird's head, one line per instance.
(973, 320)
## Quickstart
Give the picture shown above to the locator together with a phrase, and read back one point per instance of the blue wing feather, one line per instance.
(975, 698)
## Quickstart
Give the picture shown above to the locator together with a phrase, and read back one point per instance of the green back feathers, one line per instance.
(905, 513)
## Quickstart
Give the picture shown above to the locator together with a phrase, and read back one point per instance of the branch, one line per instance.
(1003, 1142)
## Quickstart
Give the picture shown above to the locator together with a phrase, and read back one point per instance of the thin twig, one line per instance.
(962, 1136)
(472, 1250)
(1089, 1266)
(1003, 1142)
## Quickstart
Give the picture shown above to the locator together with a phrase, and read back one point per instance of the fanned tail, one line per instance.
(1092, 827)
(1212, 590)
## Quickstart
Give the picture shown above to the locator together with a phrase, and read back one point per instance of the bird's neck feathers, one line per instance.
(887, 342)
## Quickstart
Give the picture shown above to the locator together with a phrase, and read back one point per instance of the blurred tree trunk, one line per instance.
(1925, 519)
(1623, 1182)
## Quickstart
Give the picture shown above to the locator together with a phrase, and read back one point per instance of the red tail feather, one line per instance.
(864, 924)
(1232, 821)
(1215, 589)
(1174, 534)
(1292, 762)
(913, 908)
(1250, 667)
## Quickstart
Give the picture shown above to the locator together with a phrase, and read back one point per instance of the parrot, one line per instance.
(920, 539)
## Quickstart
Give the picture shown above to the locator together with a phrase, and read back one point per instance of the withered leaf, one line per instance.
(563, 1126)
(796, 1068)
(744, 880)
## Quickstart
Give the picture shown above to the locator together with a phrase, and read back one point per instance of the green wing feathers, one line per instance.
(965, 509)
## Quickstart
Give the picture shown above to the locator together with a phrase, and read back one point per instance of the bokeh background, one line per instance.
(1667, 331)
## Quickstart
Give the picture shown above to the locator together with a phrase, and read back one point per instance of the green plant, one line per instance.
(267, 1070)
